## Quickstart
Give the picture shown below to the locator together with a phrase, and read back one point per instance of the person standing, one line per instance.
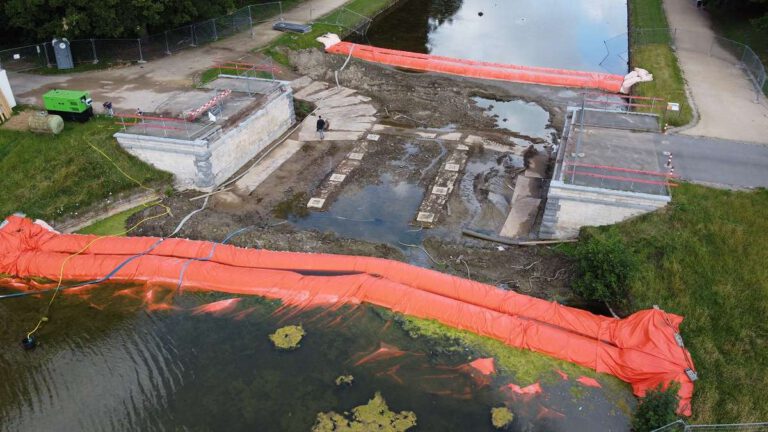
(321, 127)
(108, 108)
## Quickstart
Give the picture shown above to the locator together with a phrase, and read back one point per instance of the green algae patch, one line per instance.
(373, 416)
(345, 380)
(288, 337)
(526, 366)
(501, 417)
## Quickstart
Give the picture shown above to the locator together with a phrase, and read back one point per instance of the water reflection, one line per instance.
(551, 33)
(201, 367)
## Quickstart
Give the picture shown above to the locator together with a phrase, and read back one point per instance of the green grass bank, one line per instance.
(53, 177)
(650, 48)
(349, 17)
(704, 257)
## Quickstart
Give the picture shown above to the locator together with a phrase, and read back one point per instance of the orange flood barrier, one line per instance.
(641, 349)
(478, 69)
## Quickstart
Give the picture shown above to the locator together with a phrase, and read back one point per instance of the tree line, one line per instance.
(32, 21)
(754, 10)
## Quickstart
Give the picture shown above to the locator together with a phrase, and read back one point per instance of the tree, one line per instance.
(605, 266)
(41, 20)
(656, 409)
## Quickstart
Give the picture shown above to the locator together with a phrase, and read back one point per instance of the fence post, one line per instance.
(192, 33)
(93, 47)
(250, 20)
(280, 4)
(215, 35)
(167, 47)
(141, 55)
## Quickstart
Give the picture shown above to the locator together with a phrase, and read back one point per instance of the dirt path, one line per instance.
(722, 93)
(147, 85)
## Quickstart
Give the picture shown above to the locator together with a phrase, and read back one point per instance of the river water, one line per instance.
(566, 34)
(107, 363)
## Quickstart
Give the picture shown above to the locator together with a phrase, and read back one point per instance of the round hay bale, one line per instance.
(44, 123)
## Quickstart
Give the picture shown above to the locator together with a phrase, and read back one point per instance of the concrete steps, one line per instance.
(349, 114)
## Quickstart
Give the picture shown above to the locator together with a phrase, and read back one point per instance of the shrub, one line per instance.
(656, 409)
(605, 266)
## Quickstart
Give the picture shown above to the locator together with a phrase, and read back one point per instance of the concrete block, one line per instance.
(358, 110)
(440, 190)
(453, 136)
(338, 178)
(300, 83)
(310, 89)
(452, 167)
(324, 94)
(355, 156)
(373, 137)
(316, 203)
(425, 217)
(331, 136)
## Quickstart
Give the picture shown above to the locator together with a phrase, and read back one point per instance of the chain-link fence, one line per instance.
(111, 51)
(714, 46)
(681, 426)
(348, 19)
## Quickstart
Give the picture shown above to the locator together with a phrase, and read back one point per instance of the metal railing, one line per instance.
(730, 51)
(111, 51)
(681, 426)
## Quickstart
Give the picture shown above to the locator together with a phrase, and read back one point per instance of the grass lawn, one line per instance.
(295, 42)
(655, 54)
(113, 225)
(52, 177)
(705, 257)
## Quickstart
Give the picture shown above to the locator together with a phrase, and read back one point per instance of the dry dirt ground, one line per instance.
(408, 100)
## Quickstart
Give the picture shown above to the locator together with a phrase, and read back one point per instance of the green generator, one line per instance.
(72, 105)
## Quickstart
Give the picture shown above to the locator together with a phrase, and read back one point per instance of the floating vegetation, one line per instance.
(346, 380)
(288, 337)
(374, 416)
(501, 417)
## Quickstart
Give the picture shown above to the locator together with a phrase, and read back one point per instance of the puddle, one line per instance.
(525, 118)
(380, 213)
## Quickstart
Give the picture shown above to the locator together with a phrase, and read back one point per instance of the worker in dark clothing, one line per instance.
(321, 127)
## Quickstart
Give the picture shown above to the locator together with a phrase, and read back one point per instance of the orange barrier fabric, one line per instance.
(477, 69)
(640, 349)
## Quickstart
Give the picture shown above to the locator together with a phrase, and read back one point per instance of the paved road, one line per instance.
(717, 162)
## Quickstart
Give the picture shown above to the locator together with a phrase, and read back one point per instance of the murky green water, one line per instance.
(566, 34)
(106, 363)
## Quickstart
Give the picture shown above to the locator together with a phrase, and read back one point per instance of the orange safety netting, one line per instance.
(479, 69)
(640, 349)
